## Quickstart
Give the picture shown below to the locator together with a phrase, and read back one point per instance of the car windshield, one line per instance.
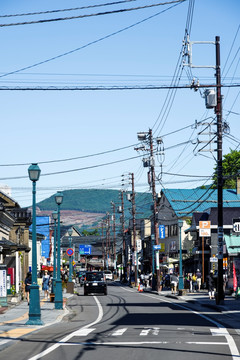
(95, 276)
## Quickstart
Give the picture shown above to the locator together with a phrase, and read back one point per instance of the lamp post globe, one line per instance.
(58, 292)
(34, 305)
(54, 216)
(180, 285)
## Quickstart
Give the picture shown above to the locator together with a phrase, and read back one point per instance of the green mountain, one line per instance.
(97, 201)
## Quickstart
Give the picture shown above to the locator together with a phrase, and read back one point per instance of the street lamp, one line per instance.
(70, 231)
(54, 216)
(58, 293)
(34, 305)
(180, 284)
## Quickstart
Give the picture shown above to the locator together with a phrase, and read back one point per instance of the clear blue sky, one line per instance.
(40, 126)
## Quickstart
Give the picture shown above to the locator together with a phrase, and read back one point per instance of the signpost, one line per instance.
(162, 231)
(3, 285)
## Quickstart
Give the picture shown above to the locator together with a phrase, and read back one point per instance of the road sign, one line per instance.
(214, 259)
(157, 247)
(85, 249)
(70, 252)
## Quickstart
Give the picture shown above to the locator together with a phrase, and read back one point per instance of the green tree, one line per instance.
(231, 169)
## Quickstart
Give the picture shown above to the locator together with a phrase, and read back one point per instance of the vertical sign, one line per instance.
(162, 231)
(3, 285)
(204, 228)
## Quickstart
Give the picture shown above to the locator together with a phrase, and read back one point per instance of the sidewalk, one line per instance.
(13, 319)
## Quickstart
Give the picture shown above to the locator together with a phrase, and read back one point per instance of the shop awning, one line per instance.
(233, 244)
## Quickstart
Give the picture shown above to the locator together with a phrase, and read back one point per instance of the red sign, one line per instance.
(70, 252)
(234, 278)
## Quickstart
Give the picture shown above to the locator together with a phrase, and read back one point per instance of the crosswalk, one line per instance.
(144, 332)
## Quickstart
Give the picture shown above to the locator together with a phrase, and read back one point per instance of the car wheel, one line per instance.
(105, 292)
(85, 293)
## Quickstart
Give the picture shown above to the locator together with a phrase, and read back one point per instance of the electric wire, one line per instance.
(176, 2)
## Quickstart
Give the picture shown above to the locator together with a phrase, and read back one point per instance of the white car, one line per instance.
(108, 274)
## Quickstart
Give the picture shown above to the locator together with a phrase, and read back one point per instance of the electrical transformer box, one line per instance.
(210, 98)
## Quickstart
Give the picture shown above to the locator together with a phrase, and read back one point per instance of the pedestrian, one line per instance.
(174, 283)
(161, 281)
(199, 279)
(194, 282)
(190, 282)
(210, 285)
(45, 284)
(28, 282)
(142, 278)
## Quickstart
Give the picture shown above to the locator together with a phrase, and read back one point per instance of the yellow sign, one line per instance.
(73, 263)
(162, 247)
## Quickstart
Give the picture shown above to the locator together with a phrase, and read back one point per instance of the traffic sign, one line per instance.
(85, 249)
(157, 247)
(214, 259)
(162, 231)
(70, 252)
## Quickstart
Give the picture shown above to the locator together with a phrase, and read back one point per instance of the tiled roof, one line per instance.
(186, 201)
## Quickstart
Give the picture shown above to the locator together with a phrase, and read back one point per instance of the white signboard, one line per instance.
(204, 228)
(214, 259)
(3, 283)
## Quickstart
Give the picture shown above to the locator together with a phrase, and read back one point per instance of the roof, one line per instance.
(233, 244)
(186, 201)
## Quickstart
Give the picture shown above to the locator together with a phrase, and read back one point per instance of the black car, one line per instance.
(95, 282)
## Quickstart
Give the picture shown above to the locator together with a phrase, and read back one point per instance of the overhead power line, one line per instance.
(106, 88)
(91, 15)
(88, 44)
(66, 10)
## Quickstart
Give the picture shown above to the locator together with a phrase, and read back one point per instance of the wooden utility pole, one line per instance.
(123, 237)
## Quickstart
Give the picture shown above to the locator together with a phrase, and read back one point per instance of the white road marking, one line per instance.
(68, 337)
(231, 343)
(83, 332)
(155, 331)
(119, 332)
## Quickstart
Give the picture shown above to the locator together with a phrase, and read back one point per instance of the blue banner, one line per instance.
(42, 227)
(162, 231)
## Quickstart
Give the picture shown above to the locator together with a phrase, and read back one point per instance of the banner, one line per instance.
(234, 278)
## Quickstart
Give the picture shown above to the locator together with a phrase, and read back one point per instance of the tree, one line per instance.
(231, 169)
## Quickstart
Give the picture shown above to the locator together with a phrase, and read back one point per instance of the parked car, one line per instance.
(108, 274)
(95, 282)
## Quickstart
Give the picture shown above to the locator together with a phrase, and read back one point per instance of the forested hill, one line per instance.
(99, 201)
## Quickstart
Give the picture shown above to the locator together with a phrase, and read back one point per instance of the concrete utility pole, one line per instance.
(153, 185)
(218, 111)
(123, 237)
(114, 231)
(134, 227)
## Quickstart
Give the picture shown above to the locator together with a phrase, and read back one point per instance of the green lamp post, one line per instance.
(180, 284)
(70, 231)
(54, 216)
(58, 293)
(34, 305)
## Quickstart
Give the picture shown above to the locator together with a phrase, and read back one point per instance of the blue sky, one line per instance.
(40, 126)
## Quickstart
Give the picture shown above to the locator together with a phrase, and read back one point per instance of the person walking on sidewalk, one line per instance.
(174, 283)
(210, 285)
(28, 282)
(45, 284)
(199, 279)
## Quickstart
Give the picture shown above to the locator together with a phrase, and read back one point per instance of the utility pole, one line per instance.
(155, 221)
(123, 237)
(114, 232)
(148, 138)
(103, 246)
(108, 240)
(132, 199)
(218, 111)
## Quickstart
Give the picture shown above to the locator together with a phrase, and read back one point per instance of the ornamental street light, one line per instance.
(54, 216)
(58, 292)
(34, 305)
(180, 284)
(70, 231)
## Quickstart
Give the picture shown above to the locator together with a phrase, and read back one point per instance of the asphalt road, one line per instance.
(125, 325)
